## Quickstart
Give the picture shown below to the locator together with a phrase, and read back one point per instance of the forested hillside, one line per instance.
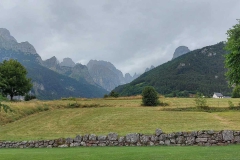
(201, 70)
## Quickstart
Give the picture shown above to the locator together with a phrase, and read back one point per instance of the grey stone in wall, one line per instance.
(202, 138)
(102, 138)
(158, 132)
(132, 137)
(112, 136)
(92, 137)
(227, 135)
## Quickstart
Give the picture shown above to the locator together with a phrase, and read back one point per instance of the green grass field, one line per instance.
(112, 115)
(123, 153)
(37, 120)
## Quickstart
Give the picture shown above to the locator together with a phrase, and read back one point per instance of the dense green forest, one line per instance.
(201, 70)
(48, 84)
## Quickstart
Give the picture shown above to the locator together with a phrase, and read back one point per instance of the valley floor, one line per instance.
(37, 120)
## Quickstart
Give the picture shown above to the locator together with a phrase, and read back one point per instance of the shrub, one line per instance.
(29, 97)
(230, 104)
(150, 96)
(201, 101)
(113, 94)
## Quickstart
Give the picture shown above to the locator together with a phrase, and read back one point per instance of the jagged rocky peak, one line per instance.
(181, 50)
(148, 69)
(51, 62)
(128, 78)
(67, 62)
(9, 42)
(5, 34)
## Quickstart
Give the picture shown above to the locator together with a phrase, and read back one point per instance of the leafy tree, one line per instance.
(236, 92)
(113, 94)
(232, 61)
(14, 81)
(150, 96)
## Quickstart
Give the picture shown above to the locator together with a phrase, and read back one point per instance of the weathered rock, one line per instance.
(227, 135)
(237, 139)
(121, 139)
(63, 146)
(211, 132)
(180, 140)
(92, 137)
(158, 132)
(69, 140)
(83, 144)
(144, 139)
(154, 138)
(201, 140)
(102, 138)
(85, 137)
(162, 137)
(161, 142)
(112, 136)
(78, 138)
(167, 142)
(132, 137)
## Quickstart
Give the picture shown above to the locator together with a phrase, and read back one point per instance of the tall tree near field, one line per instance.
(14, 81)
(232, 61)
(150, 96)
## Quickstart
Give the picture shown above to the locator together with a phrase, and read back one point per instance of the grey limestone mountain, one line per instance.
(181, 50)
(69, 68)
(8, 42)
(148, 69)
(47, 82)
(107, 75)
(68, 62)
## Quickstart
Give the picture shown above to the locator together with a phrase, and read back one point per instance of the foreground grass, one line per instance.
(122, 153)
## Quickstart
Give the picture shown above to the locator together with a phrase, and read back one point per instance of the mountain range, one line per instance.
(53, 79)
(200, 70)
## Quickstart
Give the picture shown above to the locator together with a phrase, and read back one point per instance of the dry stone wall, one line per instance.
(201, 138)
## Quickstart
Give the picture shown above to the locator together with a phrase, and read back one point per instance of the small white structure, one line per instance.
(217, 95)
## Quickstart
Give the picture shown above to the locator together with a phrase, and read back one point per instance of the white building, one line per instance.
(217, 95)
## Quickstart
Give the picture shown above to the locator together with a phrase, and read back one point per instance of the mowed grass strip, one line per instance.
(71, 122)
(122, 153)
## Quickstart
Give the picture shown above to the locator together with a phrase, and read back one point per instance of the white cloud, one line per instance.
(133, 35)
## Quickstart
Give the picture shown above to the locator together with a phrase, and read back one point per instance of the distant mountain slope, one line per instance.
(70, 69)
(47, 84)
(106, 75)
(199, 70)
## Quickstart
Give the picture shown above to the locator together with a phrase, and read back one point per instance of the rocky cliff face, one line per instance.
(181, 50)
(48, 84)
(69, 68)
(8, 42)
(106, 75)
(67, 62)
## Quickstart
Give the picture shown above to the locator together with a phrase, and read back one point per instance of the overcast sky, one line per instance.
(131, 34)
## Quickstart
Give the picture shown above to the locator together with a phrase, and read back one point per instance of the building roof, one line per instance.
(218, 94)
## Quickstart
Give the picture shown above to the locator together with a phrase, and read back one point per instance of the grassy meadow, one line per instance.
(123, 153)
(36, 120)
